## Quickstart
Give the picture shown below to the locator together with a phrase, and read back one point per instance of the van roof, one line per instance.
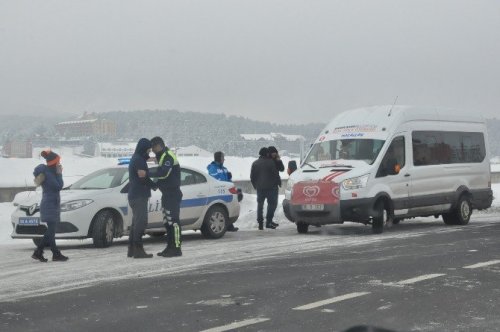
(377, 122)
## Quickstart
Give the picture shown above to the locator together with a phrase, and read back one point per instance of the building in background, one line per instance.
(287, 145)
(17, 149)
(192, 151)
(114, 150)
(88, 125)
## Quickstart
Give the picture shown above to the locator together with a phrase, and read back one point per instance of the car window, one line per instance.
(189, 177)
(102, 179)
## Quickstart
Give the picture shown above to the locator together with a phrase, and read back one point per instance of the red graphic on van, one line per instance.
(315, 192)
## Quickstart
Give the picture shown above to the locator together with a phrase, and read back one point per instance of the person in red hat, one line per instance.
(49, 176)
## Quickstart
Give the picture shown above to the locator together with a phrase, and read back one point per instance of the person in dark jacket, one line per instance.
(274, 155)
(139, 192)
(50, 178)
(263, 176)
(217, 170)
(168, 177)
(292, 167)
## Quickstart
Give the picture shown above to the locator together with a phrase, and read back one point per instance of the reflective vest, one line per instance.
(162, 158)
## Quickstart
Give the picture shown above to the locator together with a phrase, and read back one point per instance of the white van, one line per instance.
(382, 164)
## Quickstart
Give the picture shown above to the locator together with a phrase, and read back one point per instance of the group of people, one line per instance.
(166, 177)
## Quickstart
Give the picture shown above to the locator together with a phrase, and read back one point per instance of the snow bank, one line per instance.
(17, 172)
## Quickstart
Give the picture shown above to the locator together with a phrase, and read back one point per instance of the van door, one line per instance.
(430, 186)
(393, 172)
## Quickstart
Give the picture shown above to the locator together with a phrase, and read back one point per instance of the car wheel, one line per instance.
(460, 215)
(103, 231)
(302, 227)
(215, 223)
(381, 217)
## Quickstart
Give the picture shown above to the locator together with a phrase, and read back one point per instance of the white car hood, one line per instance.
(28, 198)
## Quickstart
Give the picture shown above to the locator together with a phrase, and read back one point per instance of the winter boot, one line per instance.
(231, 228)
(175, 252)
(38, 255)
(270, 225)
(58, 257)
(164, 252)
(130, 251)
(273, 223)
(140, 253)
(261, 225)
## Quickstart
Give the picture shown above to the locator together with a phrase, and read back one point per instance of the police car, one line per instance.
(96, 207)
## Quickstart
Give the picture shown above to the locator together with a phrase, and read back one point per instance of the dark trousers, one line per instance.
(139, 208)
(272, 202)
(171, 206)
(49, 238)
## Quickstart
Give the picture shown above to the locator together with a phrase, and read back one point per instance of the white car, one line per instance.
(96, 207)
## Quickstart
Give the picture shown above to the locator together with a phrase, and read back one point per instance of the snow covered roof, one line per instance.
(271, 137)
(108, 145)
(192, 150)
(77, 122)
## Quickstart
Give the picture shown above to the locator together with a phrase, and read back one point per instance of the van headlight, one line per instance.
(355, 183)
(73, 205)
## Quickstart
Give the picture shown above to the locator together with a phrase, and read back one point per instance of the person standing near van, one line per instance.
(263, 176)
(50, 178)
(138, 197)
(168, 176)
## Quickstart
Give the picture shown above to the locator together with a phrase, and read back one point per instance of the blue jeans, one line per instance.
(272, 202)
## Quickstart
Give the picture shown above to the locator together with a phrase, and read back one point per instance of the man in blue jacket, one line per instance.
(217, 170)
(168, 177)
(50, 178)
(138, 196)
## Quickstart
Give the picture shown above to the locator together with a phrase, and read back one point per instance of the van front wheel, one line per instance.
(460, 215)
(381, 218)
(302, 227)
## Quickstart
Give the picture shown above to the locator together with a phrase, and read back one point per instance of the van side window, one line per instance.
(447, 147)
(394, 158)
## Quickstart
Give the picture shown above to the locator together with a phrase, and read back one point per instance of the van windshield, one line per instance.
(366, 150)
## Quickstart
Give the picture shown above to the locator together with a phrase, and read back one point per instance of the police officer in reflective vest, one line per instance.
(168, 178)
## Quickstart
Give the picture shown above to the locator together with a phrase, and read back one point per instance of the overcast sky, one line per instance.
(286, 61)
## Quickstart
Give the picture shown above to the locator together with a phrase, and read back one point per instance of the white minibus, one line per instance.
(382, 164)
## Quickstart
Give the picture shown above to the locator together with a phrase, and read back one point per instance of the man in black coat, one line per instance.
(139, 192)
(263, 176)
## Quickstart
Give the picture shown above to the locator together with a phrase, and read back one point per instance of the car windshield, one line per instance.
(102, 179)
(345, 149)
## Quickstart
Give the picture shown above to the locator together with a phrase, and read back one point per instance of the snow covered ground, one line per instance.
(21, 276)
(18, 172)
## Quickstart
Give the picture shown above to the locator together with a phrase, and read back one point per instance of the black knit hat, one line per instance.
(263, 152)
(218, 156)
(272, 149)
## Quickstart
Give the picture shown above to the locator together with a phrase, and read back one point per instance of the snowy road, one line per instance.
(88, 266)
(417, 276)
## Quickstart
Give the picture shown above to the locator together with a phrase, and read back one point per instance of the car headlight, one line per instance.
(355, 183)
(73, 205)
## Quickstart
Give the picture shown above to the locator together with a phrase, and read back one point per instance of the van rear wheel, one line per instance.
(302, 227)
(460, 215)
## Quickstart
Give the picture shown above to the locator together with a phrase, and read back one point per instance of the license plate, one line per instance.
(29, 221)
(313, 207)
